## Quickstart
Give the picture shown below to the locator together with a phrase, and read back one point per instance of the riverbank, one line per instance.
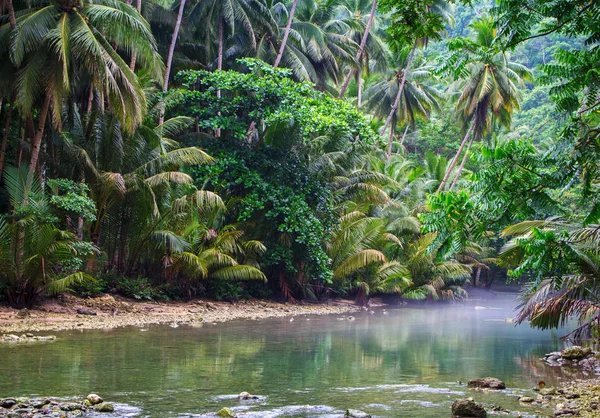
(68, 312)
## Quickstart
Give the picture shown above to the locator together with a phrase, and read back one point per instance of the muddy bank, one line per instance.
(68, 312)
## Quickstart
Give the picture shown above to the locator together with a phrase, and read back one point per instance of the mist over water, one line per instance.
(412, 360)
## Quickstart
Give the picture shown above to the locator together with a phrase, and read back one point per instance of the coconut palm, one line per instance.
(489, 88)
(60, 42)
(360, 15)
(416, 98)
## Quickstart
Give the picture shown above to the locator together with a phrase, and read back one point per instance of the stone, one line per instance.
(70, 406)
(548, 392)
(487, 383)
(94, 399)
(244, 396)
(468, 408)
(105, 407)
(8, 402)
(86, 312)
(355, 413)
(526, 399)
(226, 413)
(572, 353)
(23, 313)
(39, 404)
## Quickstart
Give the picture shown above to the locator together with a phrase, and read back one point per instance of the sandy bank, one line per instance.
(113, 311)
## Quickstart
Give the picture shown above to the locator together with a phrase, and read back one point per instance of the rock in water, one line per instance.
(244, 396)
(94, 399)
(105, 407)
(355, 413)
(468, 408)
(226, 413)
(8, 402)
(573, 353)
(487, 383)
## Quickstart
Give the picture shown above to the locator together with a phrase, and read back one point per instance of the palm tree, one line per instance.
(286, 33)
(441, 8)
(60, 42)
(355, 10)
(34, 252)
(417, 99)
(490, 88)
(326, 40)
(357, 258)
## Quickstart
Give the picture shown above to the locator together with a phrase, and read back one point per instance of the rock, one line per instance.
(244, 396)
(468, 408)
(526, 399)
(105, 407)
(226, 413)
(548, 392)
(487, 383)
(85, 312)
(70, 406)
(94, 399)
(23, 313)
(572, 353)
(39, 404)
(8, 402)
(355, 413)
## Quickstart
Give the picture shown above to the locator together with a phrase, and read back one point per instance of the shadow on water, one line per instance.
(410, 362)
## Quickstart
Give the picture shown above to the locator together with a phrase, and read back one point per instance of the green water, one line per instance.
(407, 363)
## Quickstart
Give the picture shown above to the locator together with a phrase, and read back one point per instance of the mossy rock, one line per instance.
(226, 413)
(105, 407)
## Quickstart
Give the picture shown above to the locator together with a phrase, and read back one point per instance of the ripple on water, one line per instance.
(321, 411)
(405, 388)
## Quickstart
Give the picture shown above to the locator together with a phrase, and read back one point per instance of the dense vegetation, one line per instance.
(304, 149)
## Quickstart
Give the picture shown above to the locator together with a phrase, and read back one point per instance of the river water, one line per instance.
(407, 362)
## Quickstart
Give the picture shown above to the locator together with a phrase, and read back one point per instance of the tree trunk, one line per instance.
(11, 14)
(37, 138)
(220, 60)
(462, 164)
(455, 159)
(389, 150)
(138, 6)
(361, 49)
(161, 117)
(286, 34)
(404, 134)
(400, 89)
(360, 87)
(477, 275)
(5, 134)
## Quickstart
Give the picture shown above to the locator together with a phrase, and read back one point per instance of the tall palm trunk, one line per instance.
(462, 164)
(138, 6)
(404, 134)
(161, 117)
(361, 49)
(390, 142)
(5, 134)
(286, 34)
(39, 133)
(455, 159)
(359, 83)
(220, 59)
(400, 88)
(11, 14)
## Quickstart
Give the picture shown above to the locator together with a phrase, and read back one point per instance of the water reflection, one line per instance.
(411, 360)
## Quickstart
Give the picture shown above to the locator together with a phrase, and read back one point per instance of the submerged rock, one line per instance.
(355, 413)
(468, 408)
(487, 383)
(226, 413)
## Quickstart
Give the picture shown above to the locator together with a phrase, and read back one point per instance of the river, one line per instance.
(409, 362)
